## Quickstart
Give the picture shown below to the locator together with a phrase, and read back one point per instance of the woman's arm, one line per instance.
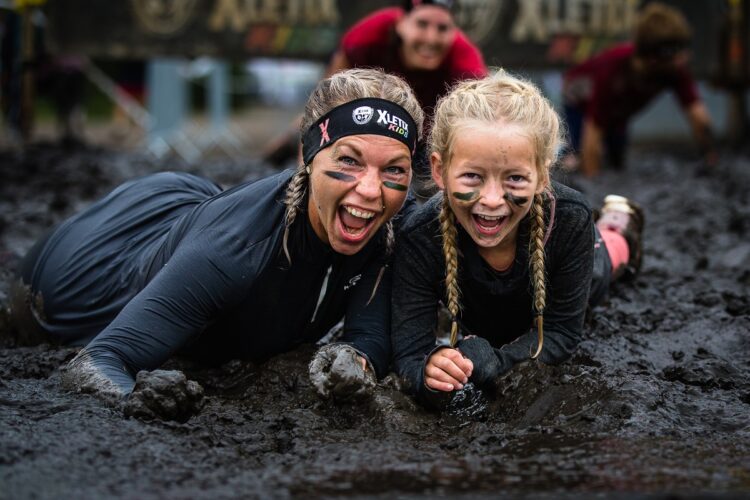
(367, 320)
(203, 278)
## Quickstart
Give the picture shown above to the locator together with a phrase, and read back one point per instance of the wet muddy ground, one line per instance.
(655, 403)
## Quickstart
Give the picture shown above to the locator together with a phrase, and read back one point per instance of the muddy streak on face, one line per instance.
(518, 201)
(339, 176)
(470, 196)
(395, 185)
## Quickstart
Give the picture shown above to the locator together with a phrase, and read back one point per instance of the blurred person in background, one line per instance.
(603, 93)
(419, 42)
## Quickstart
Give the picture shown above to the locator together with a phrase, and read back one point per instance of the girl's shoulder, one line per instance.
(422, 220)
(568, 200)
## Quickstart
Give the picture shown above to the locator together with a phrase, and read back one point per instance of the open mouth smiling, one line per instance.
(489, 224)
(355, 222)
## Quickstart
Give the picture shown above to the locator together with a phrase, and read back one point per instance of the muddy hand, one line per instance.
(164, 395)
(338, 371)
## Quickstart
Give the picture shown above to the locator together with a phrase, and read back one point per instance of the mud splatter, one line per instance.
(518, 201)
(466, 197)
(339, 176)
(395, 185)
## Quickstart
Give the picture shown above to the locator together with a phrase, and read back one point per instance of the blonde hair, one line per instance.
(512, 100)
(659, 23)
(335, 90)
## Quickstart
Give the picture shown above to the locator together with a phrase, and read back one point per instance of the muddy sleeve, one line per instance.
(414, 307)
(569, 271)
(201, 279)
(367, 321)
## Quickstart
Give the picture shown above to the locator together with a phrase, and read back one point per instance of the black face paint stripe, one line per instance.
(340, 176)
(515, 200)
(395, 185)
(470, 196)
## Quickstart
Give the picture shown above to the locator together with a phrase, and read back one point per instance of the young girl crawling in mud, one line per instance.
(509, 252)
(171, 263)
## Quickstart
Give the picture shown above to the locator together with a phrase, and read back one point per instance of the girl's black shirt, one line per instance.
(495, 305)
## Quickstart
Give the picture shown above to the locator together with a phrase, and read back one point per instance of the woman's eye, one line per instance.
(347, 160)
(395, 170)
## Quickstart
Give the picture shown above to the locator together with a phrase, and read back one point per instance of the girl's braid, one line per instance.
(450, 252)
(536, 251)
(295, 193)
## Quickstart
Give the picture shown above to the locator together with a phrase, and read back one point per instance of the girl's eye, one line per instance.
(471, 177)
(517, 178)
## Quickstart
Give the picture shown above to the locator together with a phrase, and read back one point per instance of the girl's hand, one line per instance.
(447, 370)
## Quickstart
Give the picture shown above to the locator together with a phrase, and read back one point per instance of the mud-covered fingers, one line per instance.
(363, 362)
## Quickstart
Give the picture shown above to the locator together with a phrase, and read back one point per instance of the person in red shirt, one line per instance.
(602, 94)
(419, 42)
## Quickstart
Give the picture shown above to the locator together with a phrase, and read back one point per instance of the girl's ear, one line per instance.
(543, 178)
(436, 162)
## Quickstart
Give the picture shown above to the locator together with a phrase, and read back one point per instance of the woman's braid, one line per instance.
(295, 194)
(450, 251)
(536, 251)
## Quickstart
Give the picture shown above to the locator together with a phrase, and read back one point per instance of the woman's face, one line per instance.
(357, 185)
(427, 33)
(490, 182)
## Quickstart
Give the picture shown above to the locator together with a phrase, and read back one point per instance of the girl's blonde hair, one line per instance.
(505, 98)
(333, 91)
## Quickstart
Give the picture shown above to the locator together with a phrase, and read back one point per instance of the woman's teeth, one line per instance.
(362, 214)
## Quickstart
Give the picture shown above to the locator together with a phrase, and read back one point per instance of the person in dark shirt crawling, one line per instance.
(515, 257)
(171, 263)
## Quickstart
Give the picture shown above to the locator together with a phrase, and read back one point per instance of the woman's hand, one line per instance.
(447, 370)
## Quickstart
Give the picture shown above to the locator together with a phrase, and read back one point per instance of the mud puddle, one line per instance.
(655, 403)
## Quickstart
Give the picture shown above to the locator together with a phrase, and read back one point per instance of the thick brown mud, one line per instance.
(655, 404)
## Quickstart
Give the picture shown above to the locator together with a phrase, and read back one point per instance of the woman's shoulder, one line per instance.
(251, 211)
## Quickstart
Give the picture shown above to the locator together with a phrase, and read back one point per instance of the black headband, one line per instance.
(370, 115)
(410, 4)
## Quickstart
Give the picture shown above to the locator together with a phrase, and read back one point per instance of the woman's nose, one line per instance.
(369, 184)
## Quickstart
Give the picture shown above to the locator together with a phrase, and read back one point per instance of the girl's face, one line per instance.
(357, 185)
(490, 182)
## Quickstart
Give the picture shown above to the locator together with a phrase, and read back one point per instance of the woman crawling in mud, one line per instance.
(171, 263)
(515, 257)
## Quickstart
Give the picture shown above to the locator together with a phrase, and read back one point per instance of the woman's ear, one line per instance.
(436, 162)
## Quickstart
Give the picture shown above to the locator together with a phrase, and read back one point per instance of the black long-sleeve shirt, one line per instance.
(497, 306)
(170, 262)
